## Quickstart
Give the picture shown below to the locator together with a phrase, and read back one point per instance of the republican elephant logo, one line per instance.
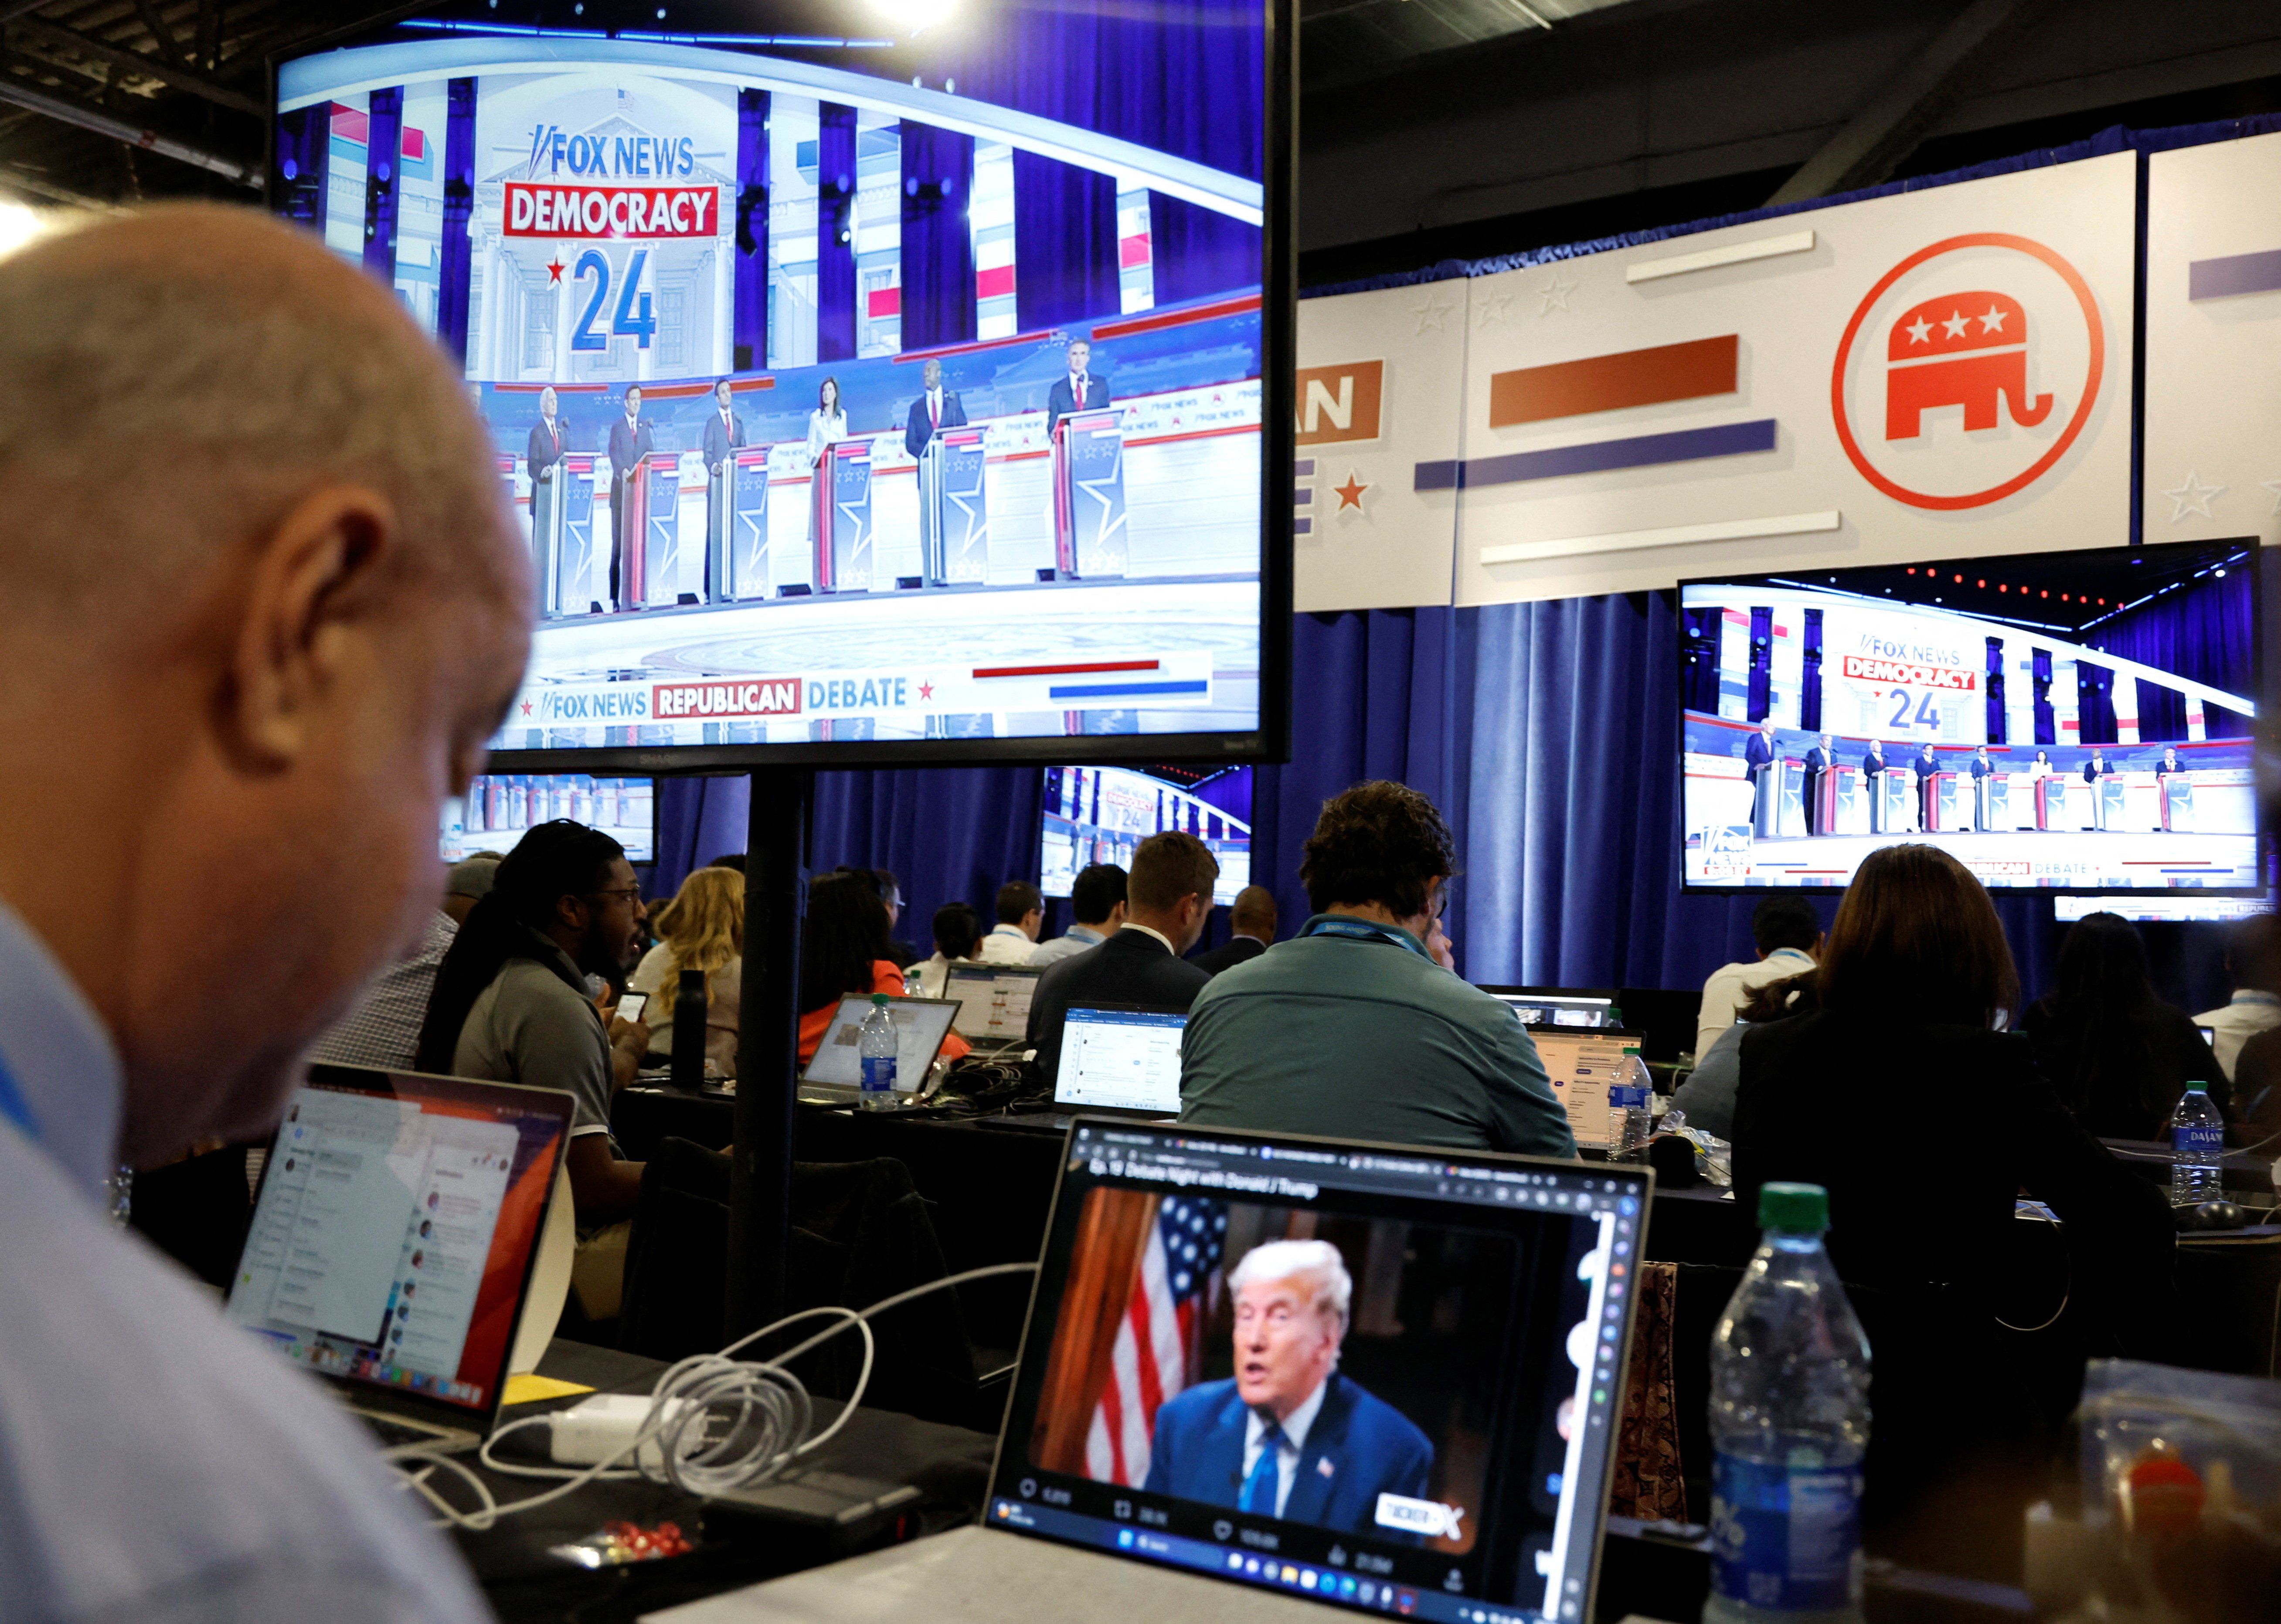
(1961, 349)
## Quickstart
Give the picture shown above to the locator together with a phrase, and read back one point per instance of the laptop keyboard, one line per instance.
(397, 1434)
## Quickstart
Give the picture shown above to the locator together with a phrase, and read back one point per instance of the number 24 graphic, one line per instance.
(630, 321)
(1927, 716)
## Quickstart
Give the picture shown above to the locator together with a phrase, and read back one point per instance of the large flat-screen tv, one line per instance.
(863, 400)
(498, 808)
(1102, 814)
(2074, 721)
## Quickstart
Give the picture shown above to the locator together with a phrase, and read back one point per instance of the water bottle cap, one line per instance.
(1631, 1049)
(879, 1000)
(1794, 1209)
(2197, 1087)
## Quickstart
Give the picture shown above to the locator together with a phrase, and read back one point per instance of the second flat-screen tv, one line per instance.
(2058, 721)
(1101, 815)
(498, 808)
(916, 398)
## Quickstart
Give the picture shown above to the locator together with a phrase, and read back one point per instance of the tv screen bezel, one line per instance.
(1269, 740)
(2258, 587)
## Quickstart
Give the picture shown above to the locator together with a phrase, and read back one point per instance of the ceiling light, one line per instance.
(20, 225)
(912, 16)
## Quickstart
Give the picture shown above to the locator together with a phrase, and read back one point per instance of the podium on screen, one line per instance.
(546, 536)
(953, 509)
(740, 498)
(840, 517)
(661, 538)
(1089, 535)
(2177, 803)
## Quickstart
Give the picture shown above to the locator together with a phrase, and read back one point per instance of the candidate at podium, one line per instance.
(935, 408)
(2096, 769)
(548, 441)
(1872, 764)
(631, 440)
(1926, 764)
(1981, 766)
(1759, 754)
(2170, 763)
(1081, 391)
(1289, 1435)
(1818, 761)
(724, 431)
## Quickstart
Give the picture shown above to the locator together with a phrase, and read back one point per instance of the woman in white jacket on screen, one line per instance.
(827, 423)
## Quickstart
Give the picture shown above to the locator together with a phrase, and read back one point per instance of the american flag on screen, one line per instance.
(1154, 1356)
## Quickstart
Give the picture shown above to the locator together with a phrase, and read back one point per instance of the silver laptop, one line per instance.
(1447, 1463)
(392, 1243)
(1117, 1060)
(1580, 1063)
(993, 1003)
(835, 1076)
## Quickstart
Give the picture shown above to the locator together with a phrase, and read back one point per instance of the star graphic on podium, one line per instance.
(926, 691)
(555, 269)
(2191, 498)
(1350, 492)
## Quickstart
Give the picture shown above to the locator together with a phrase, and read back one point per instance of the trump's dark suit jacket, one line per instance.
(917, 429)
(1132, 967)
(1358, 1447)
(1062, 400)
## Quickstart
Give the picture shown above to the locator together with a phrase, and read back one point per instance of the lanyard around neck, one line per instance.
(1363, 930)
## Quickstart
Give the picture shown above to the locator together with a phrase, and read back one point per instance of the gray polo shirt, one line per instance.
(1365, 1038)
(532, 1026)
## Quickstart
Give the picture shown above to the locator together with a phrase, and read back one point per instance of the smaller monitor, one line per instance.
(1101, 815)
(2162, 908)
(921, 1024)
(1554, 1006)
(1579, 1061)
(499, 807)
(993, 1000)
(1121, 1059)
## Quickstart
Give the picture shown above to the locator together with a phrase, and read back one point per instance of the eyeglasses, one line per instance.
(633, 893)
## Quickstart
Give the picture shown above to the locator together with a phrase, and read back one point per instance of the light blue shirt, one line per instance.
(155, 1463)
(1079, 937)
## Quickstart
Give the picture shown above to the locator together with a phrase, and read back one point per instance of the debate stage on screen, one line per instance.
(2084, 859)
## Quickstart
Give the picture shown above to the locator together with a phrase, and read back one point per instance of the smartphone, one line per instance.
(630, 1006)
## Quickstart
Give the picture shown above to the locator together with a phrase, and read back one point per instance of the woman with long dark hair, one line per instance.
(843, 949)
(511, 1003)
(2118, 1054)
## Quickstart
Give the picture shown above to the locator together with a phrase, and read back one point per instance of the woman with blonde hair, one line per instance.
(702, 928)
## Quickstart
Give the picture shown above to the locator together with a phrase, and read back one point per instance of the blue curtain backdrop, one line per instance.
(749, 333)
(459, 207)
(1064, 243)
(2206, 632)
(937, 241)
(835, 228)
(1546, 732)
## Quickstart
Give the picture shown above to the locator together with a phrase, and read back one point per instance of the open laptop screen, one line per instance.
(1579, 1065)
(1121, 1060)
(396, 1226)
(921, 1024)
(993, 1000)
(1440, 1339)
(1550, 1007)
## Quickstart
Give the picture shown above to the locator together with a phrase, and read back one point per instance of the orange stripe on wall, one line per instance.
(1609, 382)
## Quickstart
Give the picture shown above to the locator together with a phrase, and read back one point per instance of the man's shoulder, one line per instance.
(1196, 1406)
(1368, 1413)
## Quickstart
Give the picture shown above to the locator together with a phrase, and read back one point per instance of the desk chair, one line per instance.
(2229, 1302)
(859, 1233)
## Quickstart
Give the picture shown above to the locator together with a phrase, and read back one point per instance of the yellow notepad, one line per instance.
(529, 1389)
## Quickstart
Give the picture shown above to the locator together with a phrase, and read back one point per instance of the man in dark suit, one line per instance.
(1167, 898)
(1872, 765)
(1982, 766)
(935, 408)
(1251, 928)
(548, 442)
(542, 456)
(1759, 754)
(1288, 1436)
(1818, 761)
(1081, 391)
(1926, 764)
(2096, 769)
(2170, 763)
(631, 440)
(724, 433)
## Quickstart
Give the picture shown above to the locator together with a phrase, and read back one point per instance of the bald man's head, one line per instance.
(177, 379)
(263, 606)
(1254, 913)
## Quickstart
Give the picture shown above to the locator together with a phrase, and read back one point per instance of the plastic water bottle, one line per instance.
(2197, 1147)
(1629, 1090)
(1790, 1421)
(876, 1045)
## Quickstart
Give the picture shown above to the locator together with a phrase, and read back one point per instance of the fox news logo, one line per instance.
(555, 152)
(1339, 403)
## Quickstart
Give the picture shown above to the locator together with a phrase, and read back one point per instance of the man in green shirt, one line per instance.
(1351, 1029)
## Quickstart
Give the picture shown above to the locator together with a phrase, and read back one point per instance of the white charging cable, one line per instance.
(718, 1423)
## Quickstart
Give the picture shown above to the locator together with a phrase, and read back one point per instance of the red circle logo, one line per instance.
(1944, 350)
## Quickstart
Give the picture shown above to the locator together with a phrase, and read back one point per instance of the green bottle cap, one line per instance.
(2197, 1087)
(879, 1000)
(1794, 1209)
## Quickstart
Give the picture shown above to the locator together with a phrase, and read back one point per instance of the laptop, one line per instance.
(1553, 1006)
(1579, 1061)
(993, 1003)
(1458, 1453)
(392, 1243)
(1117, 1060)
(835, 1076)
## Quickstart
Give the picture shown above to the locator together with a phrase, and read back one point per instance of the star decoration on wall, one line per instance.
(2192, 498)
(1491, 308)
(1433, 312)
(1554, 294)
(1350, 493)
(555, 269)
(2274, 485)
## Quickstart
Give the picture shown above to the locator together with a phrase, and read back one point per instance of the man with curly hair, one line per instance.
(1355, 1028)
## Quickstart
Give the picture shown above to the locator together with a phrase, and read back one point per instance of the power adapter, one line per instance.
(604, 1427)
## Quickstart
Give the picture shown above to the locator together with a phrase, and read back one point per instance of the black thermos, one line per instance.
(689, 1030)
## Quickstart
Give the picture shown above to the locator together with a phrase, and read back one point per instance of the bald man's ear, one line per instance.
(313, 580)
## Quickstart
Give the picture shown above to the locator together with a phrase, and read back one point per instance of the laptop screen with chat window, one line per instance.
(1121, 1060)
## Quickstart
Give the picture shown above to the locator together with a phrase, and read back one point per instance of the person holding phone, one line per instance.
(701, 929)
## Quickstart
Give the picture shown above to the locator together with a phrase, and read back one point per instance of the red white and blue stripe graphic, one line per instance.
(2235, 273)
(1098, 680)
(1154, 1356)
